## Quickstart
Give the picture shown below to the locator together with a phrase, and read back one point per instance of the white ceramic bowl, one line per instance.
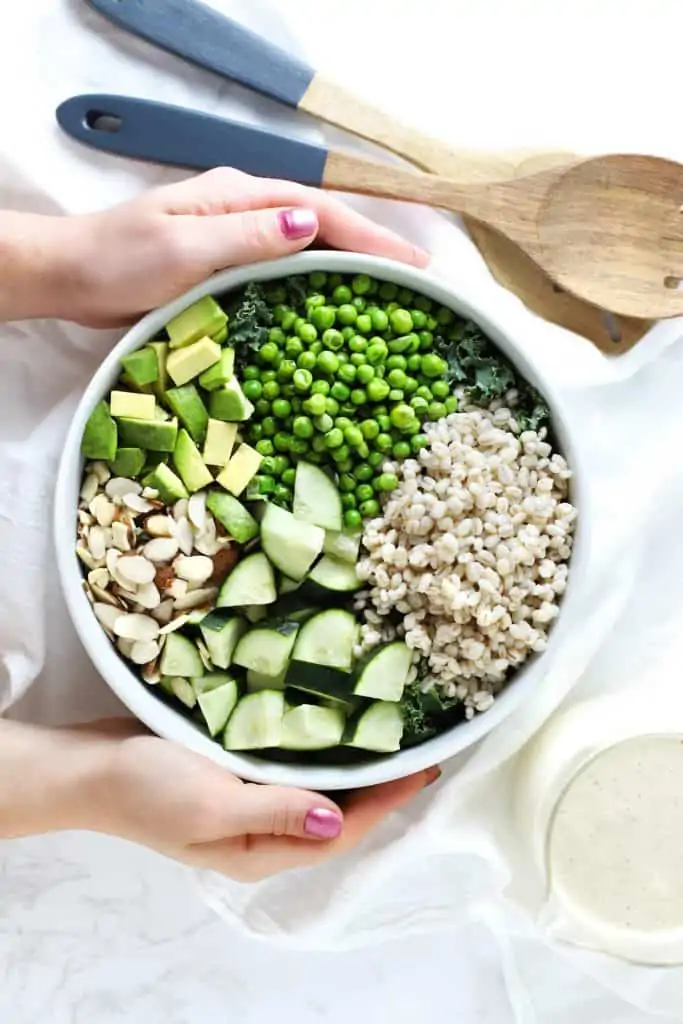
(171, 724)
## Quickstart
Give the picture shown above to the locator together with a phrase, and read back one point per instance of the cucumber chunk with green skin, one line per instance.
(344, 545)
(251, 582)
(220, 373)
(142, 366)
(189, 463)
(379, 729)
(287, 586)
(311, 727)
(157, 435)
(329, 639)
(221, 637)
(201, 318)
(383, 673)
(180, 657)
(129, 462)
(100, 434)
(211, 681)
(256, 722)
(335, 576)
(169, 486)
(190, 410)
(258, 681)
(292, 546)
(320, 682)
(217, 704)
(267, 648)
(256, 613)
(316, 498)
(232, 514)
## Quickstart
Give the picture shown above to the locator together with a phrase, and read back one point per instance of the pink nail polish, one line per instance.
(296, 224)
(323, 824)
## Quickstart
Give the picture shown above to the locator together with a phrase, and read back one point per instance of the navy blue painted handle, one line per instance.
(201, 35)
(165, 134)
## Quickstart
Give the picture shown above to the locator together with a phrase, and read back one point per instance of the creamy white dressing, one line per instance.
(615, 847)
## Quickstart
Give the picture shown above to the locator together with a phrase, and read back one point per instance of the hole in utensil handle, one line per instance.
(100, 121)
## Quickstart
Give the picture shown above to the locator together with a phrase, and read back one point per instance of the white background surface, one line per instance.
(95, 931)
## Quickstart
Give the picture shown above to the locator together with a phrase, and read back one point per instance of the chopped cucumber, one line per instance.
(383, 674)
(256, 722)
(379, 729)
(258, 681)
(287, 586)
(217, 704)
(310, 727)
(252, 581)
(335, 576)
(344, 545)
(316, 498)
(266, 649)
(221, 636)
(211, 681)
(182, 689)
(328, 639)
(291, 546)
(321, 682)
(256, 613)
(180, 657)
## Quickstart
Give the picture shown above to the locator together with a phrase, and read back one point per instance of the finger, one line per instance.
(225, 190)
(281, 811)
(226, 240)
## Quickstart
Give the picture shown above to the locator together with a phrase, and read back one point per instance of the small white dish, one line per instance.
(141, 700)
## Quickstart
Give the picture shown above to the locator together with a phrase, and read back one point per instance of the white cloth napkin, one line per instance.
(454, 855)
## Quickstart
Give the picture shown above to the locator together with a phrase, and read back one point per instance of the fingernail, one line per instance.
(296, 224)
(432, 774)
(323, 824)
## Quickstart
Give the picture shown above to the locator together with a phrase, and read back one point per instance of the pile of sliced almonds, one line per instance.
(149, 565)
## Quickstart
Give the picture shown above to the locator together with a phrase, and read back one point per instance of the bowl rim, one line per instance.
(172, 725)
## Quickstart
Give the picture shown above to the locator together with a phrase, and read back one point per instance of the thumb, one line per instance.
(279, 811)
(232, 239)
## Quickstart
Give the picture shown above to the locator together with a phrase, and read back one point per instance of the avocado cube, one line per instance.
(242, 468)
(160, 349)
(204, 317)
(189, 362)
(220, 441)
(190, 464)
(157, 435)
(129, 462)
(100, 434)
(169, 486)
(190, 410)
(221, 336)
(229, 403)
(219, 374)
(142, 366)
(138, 407)
(127, 382)
(239, 523)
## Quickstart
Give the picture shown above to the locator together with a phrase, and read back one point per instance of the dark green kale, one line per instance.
(426, 714)
(297, 292)
(250, 320)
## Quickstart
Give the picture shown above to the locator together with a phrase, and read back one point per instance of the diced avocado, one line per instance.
(201, 318)
(190, 410)
(139, 407)
(129, 462)
(190, 464)
(100, 434)
(170, 487)
(158, 435)
(220, 441)
(239, 523)
(189, 362)
(127, 381)
(142, 366)
(228, 403)
(221, 336)
(242, 468)
(221, 373)
(160, 349)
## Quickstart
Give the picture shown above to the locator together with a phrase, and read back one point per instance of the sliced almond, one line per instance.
(177, 623)
(84, 518)
(104, 596)
(90, 488)
(103, 509)
(135, 569)
(138, 504)
(125, 646)
(121, 486)
(97, 542)
(177, 589)
(150, 493)
(148, 596)
(164, 612)
(112, 559)
(99, 578)
(126, 597)
(161, 549)
(159, 526)
(151, 674)
(144, 651)
(196, 599)
(182, 531)
(120, 536)
(87, 558)
(107, 615)
(204, 655)
(195, 569)
(135, 626)
(196, 510)
(180, 509)
(101, 471)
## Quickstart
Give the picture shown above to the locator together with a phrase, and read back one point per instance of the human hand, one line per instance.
(134, 257)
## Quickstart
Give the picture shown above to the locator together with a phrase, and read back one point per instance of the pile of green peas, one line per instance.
(345, 383)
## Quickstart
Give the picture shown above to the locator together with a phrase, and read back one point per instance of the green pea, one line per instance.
(397, 378)
(348, 333)
(369, 509)
(262, 407)
(414, 363)
(402, 344)
(345, 465)
(365, 373)
(341, 454)
(299, 446)
(282, 495)
(369, 429)
(388, 291)
(419, 405)
(418, 442)
(441, 389)
(424, 392)
(363, 472)
(267, 467)
(353, 436)
(347, 314)
(401, 450)
(426, 340)
(383, 442)
(359, 396)
(306, 361)
(364, 324)
(324, 317)
(432, 365)
(265, 484)
(359, 303)
(432, 323)
(315, 405)
(318, 443)
(324, 424)
(419, 319)
(346, 373)
(401, 416)
(343, 422)
(271, 390)
(256, 432)
(422, 303)
(252, 389)
(401, 321)
(307, 332)
(265, 447)
(342, 295)
(383, 422)
(347, 483)
(445, 316)
(288, 477)
(387, 482)
(333, 437)
(316, 348)
(270, 426)
(333, 339)
(288, 320)
(348, 501)
(280, 464)
(347, 409)
(302, 427)
(317, 279)
(378, 390)
(332, 406)
(364, 492)
(358, 344)
(268, 352)
(288, 390)
(282, 441)
(320, 387)
(397, 362)
(361, 284)
(286, 369)
(410, 386)
(276, 294)
(251, 373)
(302, 380)
(357, 359)
(406, 296)
(352, 518)
(451, 404)
(396, 395)
(327, 362)
(380, 320)
(294, 348)
(340, 391)
(437, 410)
(282, 408)
(377, 353)
(374, 460)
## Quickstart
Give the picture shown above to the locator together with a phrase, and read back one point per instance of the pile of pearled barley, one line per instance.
(472, 551)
